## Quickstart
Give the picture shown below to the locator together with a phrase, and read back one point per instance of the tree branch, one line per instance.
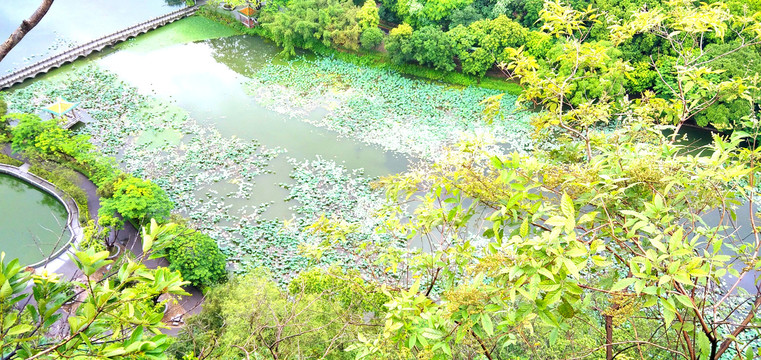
(26, 26)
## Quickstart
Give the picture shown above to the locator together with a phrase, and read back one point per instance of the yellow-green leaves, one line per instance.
(562, 20)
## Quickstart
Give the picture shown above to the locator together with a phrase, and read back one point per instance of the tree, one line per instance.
(311, 23)
(692, 84)
(464, 16)
(432, 47)
(251, 317)
(195, 255)
(482, 44)
(620, 237)
(371, 38)
(427, 12)
(25, 27)
(136, 199)
(114, 316)
(616, 240)
(399, 45)
(367, 16)
(47, 138)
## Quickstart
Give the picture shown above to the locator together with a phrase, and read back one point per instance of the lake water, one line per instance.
(33, 221)
(71, 22)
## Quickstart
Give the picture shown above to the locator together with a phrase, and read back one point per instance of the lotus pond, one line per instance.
(253, 148)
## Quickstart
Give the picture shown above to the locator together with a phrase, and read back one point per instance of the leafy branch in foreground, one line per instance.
(111, 313)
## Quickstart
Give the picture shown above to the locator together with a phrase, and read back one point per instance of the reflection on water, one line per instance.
(207, 80)
(31, 221)
(69, 23)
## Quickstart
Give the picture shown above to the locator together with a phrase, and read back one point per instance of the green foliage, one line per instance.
(702, 40)
(311, 23)
(3, 106)
(93, 236)
(137, 199)
(121, 304)
(464, 16)
(367, 16)
(398, 43)
(195, 255)
(251, 316)
(46, 138)
(431, 46)
(5, 159)
(371, 38)
(483, 43)
(427, 46)
(427, 12)
(641, 78)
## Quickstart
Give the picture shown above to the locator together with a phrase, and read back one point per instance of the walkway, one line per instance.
(99, 44)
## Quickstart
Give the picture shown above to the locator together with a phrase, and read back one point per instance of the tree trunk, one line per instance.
(26, 26)
(608, 337)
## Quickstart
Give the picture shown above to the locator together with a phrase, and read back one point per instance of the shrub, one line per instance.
(371, 38)
(3, 106)
(196, 256)
(306, 321)
(5, 159)
(137, 199)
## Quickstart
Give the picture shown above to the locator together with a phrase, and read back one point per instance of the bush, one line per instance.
(196, 256)
(5, 159)
(137, 199)
(306, 321)
(3, 107)
(371, 38)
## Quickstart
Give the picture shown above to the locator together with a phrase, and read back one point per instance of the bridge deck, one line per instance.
(86, 49)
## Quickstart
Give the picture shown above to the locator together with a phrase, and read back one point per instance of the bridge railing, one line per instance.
(83, 49)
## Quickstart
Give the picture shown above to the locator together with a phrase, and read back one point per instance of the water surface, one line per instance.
(69, 23)
(32, 221)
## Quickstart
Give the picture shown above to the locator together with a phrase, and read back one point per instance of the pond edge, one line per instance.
(55, 260)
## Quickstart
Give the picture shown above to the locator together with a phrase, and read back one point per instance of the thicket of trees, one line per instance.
(475, 36)
(602, 244)
(597, 244)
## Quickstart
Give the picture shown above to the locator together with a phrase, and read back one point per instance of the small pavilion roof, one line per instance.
(248, 11)
(60, 107)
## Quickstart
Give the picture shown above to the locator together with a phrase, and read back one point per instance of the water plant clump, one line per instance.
(378, 106)
(209, 176)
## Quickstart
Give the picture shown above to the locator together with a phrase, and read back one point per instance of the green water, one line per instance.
(33, 221)
(207, 79)
(71, 22)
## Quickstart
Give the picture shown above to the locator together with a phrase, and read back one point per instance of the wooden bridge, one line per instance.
(99, 44)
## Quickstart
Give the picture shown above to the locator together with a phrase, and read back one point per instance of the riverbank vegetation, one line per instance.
(584, 234)
(476, 37)
(597, 244)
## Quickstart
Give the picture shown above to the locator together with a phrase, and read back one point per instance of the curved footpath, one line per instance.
(128, 239)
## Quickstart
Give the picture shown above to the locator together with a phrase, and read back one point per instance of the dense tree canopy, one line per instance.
(137, 199)
(310, 23)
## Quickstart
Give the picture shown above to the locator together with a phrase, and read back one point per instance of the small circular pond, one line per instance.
(32, 222)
